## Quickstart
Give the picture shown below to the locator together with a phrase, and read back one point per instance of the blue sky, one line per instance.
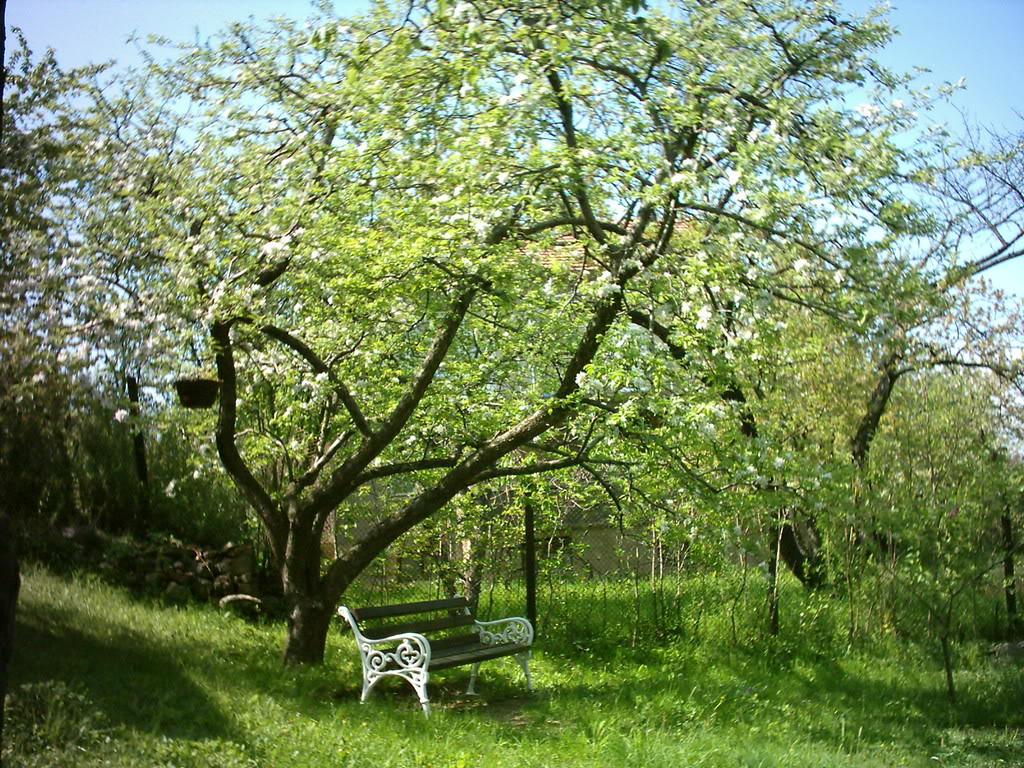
(979, 40)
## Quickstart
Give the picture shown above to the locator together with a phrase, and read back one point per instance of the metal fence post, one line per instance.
(530, 560)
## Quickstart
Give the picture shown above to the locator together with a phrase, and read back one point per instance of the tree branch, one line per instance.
(732, 391)
(428, 368)
(860, 444)
(719, 211)
(528, 469)
(569, 129)
(402, 467)
(310, 476)
(320, 366)
(227, 448)
(343, 480)
(564, 221)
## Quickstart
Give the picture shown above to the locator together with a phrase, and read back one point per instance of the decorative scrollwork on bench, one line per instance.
(409, 654)
(505, 631)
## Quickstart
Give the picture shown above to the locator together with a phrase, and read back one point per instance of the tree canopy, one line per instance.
(442, 244)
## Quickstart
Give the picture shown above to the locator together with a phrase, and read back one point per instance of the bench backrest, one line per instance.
(441, 620)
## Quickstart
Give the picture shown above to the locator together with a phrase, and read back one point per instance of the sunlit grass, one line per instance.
(102, 679)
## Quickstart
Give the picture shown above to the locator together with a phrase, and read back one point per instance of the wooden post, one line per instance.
(773, 578)
(141, 516)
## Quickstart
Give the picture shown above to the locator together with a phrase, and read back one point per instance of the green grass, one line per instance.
(102, 679)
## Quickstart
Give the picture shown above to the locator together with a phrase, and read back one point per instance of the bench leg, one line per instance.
(524, 662)
(418, 678)
(471, 691)
(370, 679)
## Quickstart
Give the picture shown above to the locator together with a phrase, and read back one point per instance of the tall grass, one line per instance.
(101, 679)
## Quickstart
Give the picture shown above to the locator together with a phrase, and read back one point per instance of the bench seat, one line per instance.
(456, 657)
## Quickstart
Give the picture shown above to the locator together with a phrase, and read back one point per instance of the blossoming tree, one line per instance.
(445, 244)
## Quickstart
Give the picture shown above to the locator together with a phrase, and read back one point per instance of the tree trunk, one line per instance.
(947, 664)
(469, 555)
(309, 619)
(1009, 579)
(10, 584)
(860, 444)
(309, 609)
(804, 559)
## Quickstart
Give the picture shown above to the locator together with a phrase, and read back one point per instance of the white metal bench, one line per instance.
(403, 650)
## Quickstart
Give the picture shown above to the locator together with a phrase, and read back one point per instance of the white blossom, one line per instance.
(703, 317)
(869, 111)
(516, 94)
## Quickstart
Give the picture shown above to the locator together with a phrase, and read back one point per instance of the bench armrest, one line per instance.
(511, 630)
(410, 650)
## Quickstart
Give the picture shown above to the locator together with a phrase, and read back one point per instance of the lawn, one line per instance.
(101, 678)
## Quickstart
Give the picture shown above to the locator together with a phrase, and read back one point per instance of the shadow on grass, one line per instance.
(501, 696)
(843, 702)
(134, 682)
(172, 678)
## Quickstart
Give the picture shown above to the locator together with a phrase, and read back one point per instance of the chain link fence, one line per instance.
(585, 576)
